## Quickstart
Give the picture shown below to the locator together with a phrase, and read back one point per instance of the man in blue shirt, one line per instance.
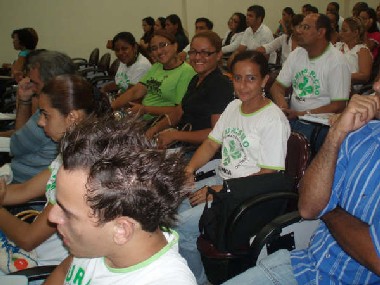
(31, 149)
(342, 188)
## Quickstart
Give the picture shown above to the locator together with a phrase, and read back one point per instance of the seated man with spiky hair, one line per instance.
(117, 198)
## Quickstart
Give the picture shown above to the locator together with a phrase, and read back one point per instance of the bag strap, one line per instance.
(24, 215)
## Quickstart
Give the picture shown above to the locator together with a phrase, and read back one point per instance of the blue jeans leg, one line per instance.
(188, 233)
(275, 269)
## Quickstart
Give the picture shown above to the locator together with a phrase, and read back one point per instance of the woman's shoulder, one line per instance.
(142, 60)
(233, 105)
(185, 67)
(359, 47)
(271, 110)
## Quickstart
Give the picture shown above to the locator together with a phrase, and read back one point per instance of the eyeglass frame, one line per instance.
(160, 46)
(202, 53)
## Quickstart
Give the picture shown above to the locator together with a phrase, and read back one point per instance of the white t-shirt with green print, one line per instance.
(127, 75)
(164, 267)
(52, 251)
(316, 82)
(51, 184)
(251, 141)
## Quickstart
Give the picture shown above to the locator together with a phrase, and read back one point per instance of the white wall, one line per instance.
(77, 26)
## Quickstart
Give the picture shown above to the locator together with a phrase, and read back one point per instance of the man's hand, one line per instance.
(360, 110)
(291, 114)
(26, 89)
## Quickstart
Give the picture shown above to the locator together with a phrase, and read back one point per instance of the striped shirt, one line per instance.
(356, 189)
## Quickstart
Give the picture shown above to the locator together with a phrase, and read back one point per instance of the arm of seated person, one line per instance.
(277, 91)
(25, 235)
(136, 92)
(17, 68)
(365, 67)
(354, 237)
(59, 273)
(7, 134)
(21, 193)
(171, 120)
(165, 138)
(152, 110)
(108, 87)
(316, 184)
(203, 155)
(192, 137)
(25, 102)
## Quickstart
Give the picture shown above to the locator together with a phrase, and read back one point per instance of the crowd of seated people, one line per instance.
(175, 93)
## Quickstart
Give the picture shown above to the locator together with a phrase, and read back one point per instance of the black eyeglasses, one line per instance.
(202, 53)
(159, 46)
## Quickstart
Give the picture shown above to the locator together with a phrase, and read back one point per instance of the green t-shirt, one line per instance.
(166, 87)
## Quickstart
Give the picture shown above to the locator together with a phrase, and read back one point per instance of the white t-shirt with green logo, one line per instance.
(165, 267)
(316, 82)
(251, 141)
(127, 75)
(52, 251)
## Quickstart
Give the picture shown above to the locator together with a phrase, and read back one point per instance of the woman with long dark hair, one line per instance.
(64, 101)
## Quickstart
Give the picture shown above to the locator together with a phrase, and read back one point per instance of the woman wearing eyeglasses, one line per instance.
(165, 83)
(208, 94)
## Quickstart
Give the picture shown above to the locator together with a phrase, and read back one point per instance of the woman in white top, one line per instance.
(286, 42)
(354, 49)
(133, 65)
(237, 25)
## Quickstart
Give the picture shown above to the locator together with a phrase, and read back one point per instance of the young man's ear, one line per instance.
(123, 230)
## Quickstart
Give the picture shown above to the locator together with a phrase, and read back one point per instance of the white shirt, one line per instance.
(282, 42)
(351, 55)
(253, 40)
(251, 141)
(164, 267)
(316, 82)
(234, 43)
(126, 75)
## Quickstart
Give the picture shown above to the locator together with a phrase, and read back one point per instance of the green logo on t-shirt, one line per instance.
(234, 144)
(306, 84)
(154, 87)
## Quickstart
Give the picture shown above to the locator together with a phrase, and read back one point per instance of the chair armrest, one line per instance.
(36, 273)
(271, 232)
(79, 60)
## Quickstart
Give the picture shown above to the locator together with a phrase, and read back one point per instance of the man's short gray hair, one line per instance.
(50, 64)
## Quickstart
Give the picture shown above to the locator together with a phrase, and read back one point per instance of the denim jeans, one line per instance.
(307, 129)
(275, 269)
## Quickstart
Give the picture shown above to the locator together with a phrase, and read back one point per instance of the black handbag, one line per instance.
(214, 219)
